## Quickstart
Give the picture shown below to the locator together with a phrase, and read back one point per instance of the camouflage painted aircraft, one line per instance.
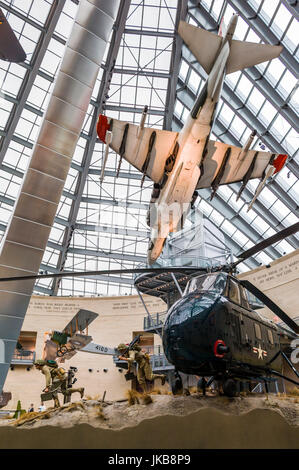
(179, 163)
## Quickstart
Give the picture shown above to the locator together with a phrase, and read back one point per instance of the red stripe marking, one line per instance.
(102, 127)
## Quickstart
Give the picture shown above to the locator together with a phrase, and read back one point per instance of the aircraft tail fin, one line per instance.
(246, 54)
(203, 44)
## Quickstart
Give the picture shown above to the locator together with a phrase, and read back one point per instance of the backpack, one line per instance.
(51, 363)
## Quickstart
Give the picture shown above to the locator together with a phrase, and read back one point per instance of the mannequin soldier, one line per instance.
(144, 371)
(59, 377)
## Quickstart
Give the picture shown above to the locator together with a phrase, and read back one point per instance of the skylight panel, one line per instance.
(244, 87)
(256, 100)
(290, 219)
(291, 141)
(228, 227)
(260, 225)
(267, 113)
(286, 178)
(183, 69)
(194, 80)
(267, 197)
(287, 83)
(237, 127)
(268, 9)
(39, 10)
(216, 8)
(279, 209)
(275, 71)
(263, 258)
(216, 217)
(240, 238)
(281, 20)
(241, 29)
(294, 192)
(292, 35)
(284, 247)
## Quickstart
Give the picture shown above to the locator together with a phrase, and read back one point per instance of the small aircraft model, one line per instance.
(180, 163)
(10, 48)
(213, 330)
(74, 337)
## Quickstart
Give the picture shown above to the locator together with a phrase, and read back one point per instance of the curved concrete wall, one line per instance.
(27, 234)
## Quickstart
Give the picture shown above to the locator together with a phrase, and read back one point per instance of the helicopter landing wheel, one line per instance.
(177, 385)
(230, 388)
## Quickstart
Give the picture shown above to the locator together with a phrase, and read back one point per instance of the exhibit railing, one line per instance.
(154, 321)
(199, 262)
(23, 357)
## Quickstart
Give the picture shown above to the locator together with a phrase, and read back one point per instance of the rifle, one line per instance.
(133, 342)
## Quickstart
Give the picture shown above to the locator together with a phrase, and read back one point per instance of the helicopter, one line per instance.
(213, 330)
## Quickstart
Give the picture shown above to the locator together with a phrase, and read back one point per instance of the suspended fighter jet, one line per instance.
(179, 163)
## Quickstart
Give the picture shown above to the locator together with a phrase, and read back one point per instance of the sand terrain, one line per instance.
(177, 422)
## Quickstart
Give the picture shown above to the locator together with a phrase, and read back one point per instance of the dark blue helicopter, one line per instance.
(213, 331)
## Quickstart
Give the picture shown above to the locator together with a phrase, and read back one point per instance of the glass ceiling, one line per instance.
(109, 229)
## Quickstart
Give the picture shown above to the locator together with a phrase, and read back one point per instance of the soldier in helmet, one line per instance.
(144, 371)
(56, 380)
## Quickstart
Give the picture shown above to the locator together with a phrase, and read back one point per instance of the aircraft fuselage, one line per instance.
(177, 191)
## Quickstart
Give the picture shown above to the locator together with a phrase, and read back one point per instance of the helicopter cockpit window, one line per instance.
(244, 300)
(234, 293)
(207, 282)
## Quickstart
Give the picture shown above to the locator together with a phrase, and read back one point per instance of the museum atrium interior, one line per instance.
(102, 225)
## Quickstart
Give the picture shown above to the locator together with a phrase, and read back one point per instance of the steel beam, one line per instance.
(28, 80)
(30, 21)
(292, 6)
(116, 255)
(112, 230)
(118, 30)
(174, 65)
(229, 213)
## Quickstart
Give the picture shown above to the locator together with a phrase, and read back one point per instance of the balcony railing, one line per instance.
(155, 320)
(23, 357)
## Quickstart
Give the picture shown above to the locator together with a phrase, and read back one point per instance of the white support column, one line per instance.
(29, 228)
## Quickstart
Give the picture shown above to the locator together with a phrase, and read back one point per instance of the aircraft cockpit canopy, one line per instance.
(212, 282)
(222, 283)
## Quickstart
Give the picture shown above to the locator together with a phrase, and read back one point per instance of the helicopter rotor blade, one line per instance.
(271, 305)
(265, 243)
(101, 273)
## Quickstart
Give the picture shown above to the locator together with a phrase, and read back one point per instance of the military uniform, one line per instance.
(56, 381)
(144, 371)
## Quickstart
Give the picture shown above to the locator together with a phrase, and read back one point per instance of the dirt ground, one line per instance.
(192, 421)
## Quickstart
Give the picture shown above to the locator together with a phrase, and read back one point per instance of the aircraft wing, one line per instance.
(224, 164)
(146, 148)
(10, 47)
(80, 321)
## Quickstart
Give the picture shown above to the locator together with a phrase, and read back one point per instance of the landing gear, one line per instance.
(177, 385)
(230, 388)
